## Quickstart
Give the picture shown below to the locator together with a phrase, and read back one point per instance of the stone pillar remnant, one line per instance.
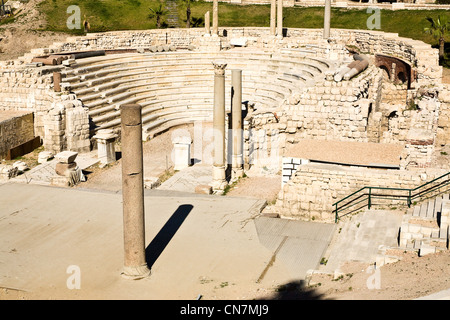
(207, 24)
(280, 19)
(135, 266)
(219, 181)
(273, 17)
(105, 146)
(236, 124)
(215, 24)
(326, 19)
(57, 81)
(181, 152)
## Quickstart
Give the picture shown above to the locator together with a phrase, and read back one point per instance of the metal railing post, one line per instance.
(336, 215)
(370, 200)
(409, 198)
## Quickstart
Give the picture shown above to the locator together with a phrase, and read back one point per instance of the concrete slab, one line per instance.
(298, 246)
(194, 242)
(187, 179)
(43, 173)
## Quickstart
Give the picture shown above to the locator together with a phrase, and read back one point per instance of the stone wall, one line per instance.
(314, 187)
(15, 131)
(27, 89)
(66, 127)
(443, 122)
(416, 53)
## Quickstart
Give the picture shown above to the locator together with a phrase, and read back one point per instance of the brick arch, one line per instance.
(397, 69)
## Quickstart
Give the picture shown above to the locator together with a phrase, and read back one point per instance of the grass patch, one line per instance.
(109, 15)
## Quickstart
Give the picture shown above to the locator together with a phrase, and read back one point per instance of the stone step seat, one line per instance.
(313, 65)
(149, 117)
(281, 83)
(149, 108)
(301, 71)
(101, 69)
(284, 84)
(98, 100)
(165, 98)
(185, 118)
(196, 55)
(149, 99)
(171, 123)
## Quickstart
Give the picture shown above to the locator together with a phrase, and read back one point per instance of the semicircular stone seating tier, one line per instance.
(178, 87)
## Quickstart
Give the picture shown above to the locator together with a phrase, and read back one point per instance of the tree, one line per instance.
(157, 13)
(438, 29)
(187, 3)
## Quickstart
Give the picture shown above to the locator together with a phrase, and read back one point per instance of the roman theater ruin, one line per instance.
(330, 111)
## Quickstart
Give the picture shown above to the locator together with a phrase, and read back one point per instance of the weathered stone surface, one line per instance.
(66, 156)
(203, 189)
(63, 169)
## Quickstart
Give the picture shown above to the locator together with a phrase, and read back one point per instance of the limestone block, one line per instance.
(426, 249)
(66, 156)
(63, 169)
(44, 156)
(20, 165)
(203, 189)
(151, 182)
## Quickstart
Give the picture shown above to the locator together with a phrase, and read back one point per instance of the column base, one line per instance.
(236, 173)
(135, 273)
(219, 185)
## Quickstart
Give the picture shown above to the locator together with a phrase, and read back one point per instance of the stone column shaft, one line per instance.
(280, 18)
(215, 23)
(273, 17)
(326, 19)
(135, 266)
(207, 23)
(236, 125)
(219, 181)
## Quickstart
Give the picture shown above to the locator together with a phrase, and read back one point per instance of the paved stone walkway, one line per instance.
(187, 179)
(358, 237)
(43, 173)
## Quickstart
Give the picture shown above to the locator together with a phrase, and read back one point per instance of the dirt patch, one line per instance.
(20, 36)
(410, 278)
(260, 187)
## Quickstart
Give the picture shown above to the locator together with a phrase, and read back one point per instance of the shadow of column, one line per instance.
(162, 239)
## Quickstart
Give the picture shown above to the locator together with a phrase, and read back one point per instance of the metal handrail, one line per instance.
(411, 194)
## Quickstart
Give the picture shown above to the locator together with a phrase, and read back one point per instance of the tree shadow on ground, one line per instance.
(296, 290)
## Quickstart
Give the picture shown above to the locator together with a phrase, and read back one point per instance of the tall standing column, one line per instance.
(273, 17)
(215, 24)
(207, 24)
(135, 266)
(326, 19)
(219, 181)
(236, 124)
(280, 19)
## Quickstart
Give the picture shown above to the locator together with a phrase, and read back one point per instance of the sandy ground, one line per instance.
(410, 278)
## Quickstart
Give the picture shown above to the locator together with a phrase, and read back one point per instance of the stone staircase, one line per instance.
(425, 227)
(424, 230)
(172, 14)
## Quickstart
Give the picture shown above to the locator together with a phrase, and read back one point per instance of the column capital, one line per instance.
(219, 67)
